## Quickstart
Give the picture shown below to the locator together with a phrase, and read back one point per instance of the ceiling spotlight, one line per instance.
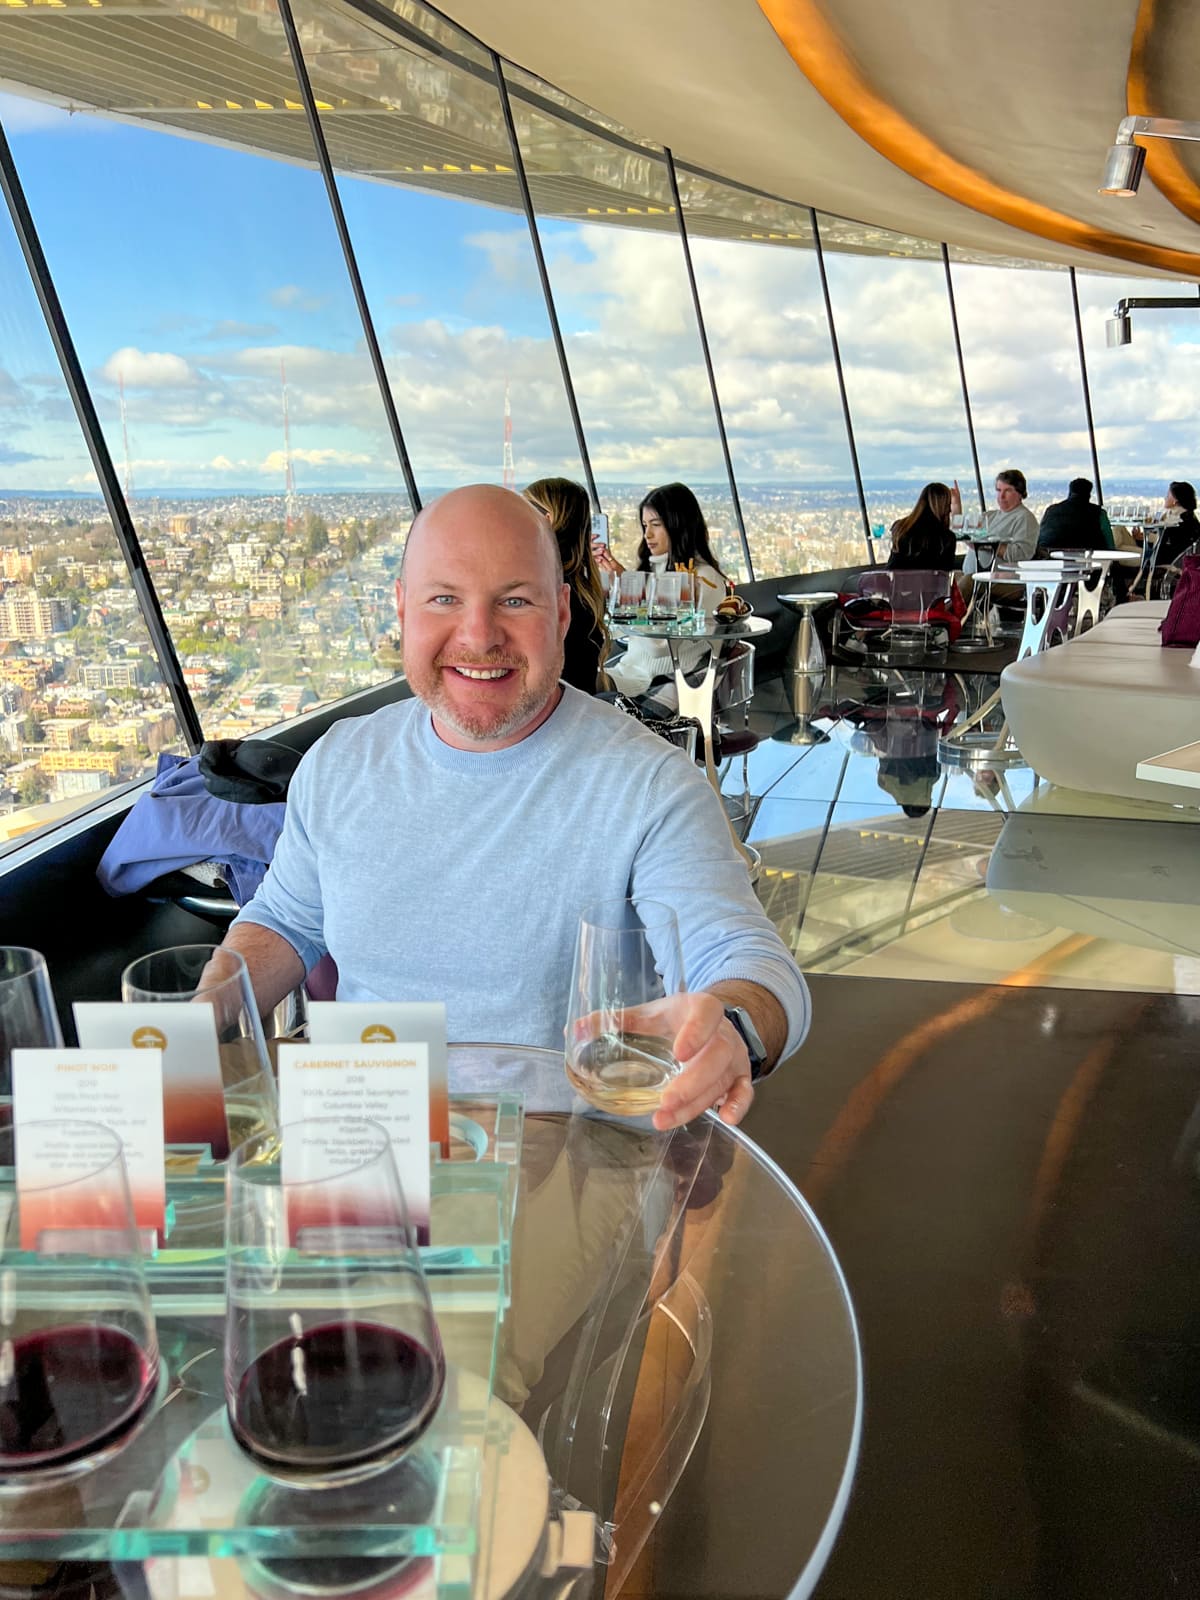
(1123, 171)
(1118, 330)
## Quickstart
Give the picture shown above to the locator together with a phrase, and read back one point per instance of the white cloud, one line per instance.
(291, 297)
(149, 369)
(276, 462)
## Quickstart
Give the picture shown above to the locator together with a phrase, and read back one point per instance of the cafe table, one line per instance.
(676, 1375)
(1048, 586)
(976, 632)
(1091, 585)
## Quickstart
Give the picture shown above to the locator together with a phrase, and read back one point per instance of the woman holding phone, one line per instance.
(674, 539)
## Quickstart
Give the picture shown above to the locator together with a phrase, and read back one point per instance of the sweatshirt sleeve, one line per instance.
(288, 900)
(686, 859)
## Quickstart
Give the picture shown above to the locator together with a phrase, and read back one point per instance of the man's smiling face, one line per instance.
(483, 614)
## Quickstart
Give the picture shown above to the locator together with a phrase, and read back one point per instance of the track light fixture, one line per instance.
(1118, 329)
(1123, 168)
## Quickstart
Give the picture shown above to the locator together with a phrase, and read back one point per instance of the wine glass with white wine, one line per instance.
(620, 1028)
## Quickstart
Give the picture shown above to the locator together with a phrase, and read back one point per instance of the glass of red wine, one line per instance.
(333, 1361)
(78, 1354)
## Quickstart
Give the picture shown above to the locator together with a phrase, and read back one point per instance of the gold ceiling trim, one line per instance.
(818, 51)
(1167, 172)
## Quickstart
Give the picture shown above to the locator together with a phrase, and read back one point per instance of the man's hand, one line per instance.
(715, 1067)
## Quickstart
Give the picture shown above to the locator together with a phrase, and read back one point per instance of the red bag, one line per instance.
(1181, 625)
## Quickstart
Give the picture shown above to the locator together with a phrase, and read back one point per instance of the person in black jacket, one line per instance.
(922, 541)
(569, 511)
(1177, 538)
(1075, 523)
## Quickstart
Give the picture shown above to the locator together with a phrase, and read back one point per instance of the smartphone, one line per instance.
(599, 528)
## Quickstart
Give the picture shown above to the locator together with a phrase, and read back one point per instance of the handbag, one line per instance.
(1181, 625)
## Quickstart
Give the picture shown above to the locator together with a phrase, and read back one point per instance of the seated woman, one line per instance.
(922, 541)
(1183, 531)
(674, 539)
(569, 511)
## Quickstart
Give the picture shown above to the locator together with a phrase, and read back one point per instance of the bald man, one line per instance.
(444, 847)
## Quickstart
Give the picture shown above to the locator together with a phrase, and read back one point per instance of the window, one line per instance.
(892, 315)
(83, 706)
(764, 312)
(1017, 327)
(620, 286)
(194, 252)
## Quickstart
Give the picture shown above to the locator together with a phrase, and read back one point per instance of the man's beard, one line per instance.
(483, 726)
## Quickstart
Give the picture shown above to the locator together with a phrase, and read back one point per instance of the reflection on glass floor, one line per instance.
(879, 860)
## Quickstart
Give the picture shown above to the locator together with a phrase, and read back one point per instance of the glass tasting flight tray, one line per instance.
(180, 1486)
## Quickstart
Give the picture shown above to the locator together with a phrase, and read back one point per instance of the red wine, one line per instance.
(338, 1395)
(66, 1392)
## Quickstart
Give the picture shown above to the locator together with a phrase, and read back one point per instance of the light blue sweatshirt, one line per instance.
(430, 873)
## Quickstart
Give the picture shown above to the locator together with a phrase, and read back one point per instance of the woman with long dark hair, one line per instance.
(922, 541)
(674, 539)
(569, 511)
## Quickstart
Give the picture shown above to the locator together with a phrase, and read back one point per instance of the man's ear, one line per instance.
(401, 597)
(564, 608)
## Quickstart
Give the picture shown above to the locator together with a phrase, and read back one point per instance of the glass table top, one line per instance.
(674, 1332)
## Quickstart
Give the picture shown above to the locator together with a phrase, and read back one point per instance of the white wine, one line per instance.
(625, 1076)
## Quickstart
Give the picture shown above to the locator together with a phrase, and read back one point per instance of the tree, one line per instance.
(316, 533)
(33, 788)
(32, 732)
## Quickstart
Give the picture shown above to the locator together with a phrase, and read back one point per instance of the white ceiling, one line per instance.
(1028, 93)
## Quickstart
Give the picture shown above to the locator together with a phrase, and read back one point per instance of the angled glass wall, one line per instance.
(425, 172)
(83, 706)
(195, 257)
(619, 280)
(1017, 327)
(1143, 393)
(764, 312)
(892, 315)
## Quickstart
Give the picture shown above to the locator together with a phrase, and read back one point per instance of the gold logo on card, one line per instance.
(148, 1038)
(378, 1033)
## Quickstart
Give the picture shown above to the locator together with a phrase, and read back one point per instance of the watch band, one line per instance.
(755, 1049)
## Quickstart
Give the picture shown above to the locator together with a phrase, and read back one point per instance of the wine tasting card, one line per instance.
(384, 1083)
(193, 1094)
(120, 1089)
(389, 1022)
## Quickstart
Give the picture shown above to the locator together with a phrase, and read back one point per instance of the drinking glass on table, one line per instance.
(620, 1034)
(333, 1361)
(78, 1353)
(206, 974)
(28, 1019)
(628, 596)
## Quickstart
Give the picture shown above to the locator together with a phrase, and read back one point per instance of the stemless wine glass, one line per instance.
(211, 975)
(620, 1033)
(28, 1019)
(629, 596)
(333, 1361)
(78, 1352)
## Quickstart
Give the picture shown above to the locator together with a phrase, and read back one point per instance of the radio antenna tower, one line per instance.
(510, 474)
(289, 477)
(125, 438)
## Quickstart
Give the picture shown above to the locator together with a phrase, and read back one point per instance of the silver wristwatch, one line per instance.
(755, 1048)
